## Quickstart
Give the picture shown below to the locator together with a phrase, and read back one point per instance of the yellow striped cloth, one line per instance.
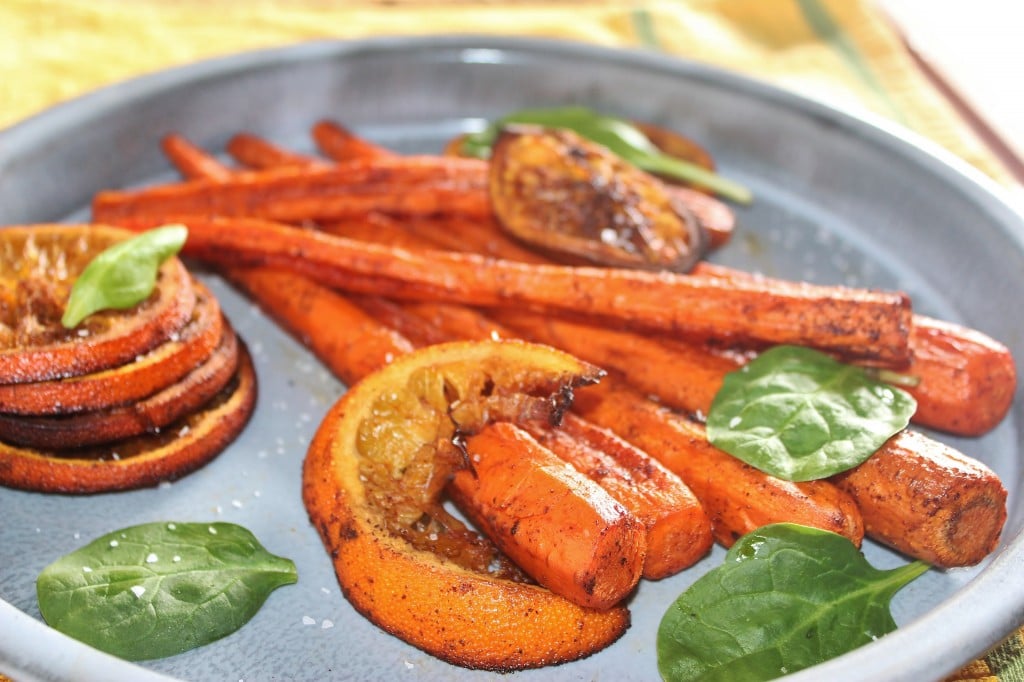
(839, 51)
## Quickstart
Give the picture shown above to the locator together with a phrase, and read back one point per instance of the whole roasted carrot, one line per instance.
(191, 161)
(341, 144)
(593, 555)
(420, 184)
(854, 322)
(256, 152)
(310, 311)
(678, 532)
(736, 496)
(929, 501)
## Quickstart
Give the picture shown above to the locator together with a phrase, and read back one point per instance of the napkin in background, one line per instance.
(842, 52)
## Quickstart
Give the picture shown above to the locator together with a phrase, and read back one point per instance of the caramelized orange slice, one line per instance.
(144, 376)
(561, 193)
(38, 266)
(145, 460)
(147, 416)
(372, 480)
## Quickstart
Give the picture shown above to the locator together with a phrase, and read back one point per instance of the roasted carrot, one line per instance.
(341, 144)
(929, 501)
(191, 161)
(854, 322)
(736, 496)
(593, 554)
(414, 184)
(678, 531)
(310, 311)
(964, 380)
(256, 152)
(300, 305)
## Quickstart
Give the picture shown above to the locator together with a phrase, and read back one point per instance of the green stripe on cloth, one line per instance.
(643, 29)
(1006, 661)
(821, 22)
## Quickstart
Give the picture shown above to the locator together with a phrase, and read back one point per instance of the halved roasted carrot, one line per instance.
(737, 497)
(595, 554)
(678, 531)
(859, 323)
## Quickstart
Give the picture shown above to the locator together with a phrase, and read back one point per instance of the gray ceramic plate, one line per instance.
(838, 200)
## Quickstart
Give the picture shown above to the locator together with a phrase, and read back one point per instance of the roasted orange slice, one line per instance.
(144, 376)
(146, 416)
(38, 266)
(561, 193)
(145, 460)
(372, 482)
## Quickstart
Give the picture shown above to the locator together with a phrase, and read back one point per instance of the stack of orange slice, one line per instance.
(126, 399)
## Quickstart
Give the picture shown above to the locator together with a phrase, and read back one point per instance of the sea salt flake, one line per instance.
(327, 624)
(114, 543)
(171, 526)
(213, 531)
(151, 558)
(138, 590)
(86, 569)
(306, 620)
(237, 504)
(176, 558)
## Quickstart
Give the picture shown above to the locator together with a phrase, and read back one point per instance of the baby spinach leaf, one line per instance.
(122, 275)
(786, 597)
(158, 589)
(618, 136)
(800, 415)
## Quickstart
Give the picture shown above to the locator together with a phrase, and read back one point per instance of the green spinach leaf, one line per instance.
(800, 415)
(122, 275)
(787, 597)
(618, 136)
(158, 589)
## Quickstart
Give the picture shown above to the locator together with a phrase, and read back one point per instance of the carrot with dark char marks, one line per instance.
(405, 185)
(596, 554)
(677, 529)
(856, 322)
